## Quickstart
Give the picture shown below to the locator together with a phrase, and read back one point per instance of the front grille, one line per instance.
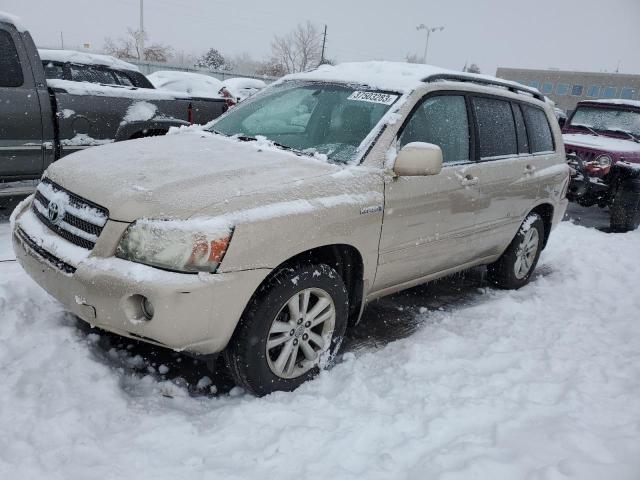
(585, 155)
(51, 259)
(75, 219)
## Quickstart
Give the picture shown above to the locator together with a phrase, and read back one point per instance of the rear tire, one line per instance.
(514, 268)
(292, 328)
(625, 208)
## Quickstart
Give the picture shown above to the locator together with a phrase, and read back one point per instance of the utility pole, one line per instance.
(141, 42)
(61, 41)
(324, 43)
(429, 30)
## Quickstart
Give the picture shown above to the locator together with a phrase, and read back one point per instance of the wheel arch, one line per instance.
(344, 258)
(545, 210)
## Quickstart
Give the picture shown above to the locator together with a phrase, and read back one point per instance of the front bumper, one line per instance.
(194, 313)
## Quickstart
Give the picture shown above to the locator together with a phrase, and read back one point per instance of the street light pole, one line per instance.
(429, 30)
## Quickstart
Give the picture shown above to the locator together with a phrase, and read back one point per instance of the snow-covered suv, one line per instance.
(263, 235)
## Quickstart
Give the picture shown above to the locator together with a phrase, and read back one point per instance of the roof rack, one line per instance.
(511, 86)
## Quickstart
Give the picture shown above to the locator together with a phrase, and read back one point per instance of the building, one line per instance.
(567, 88)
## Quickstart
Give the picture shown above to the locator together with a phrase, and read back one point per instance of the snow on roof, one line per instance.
(394, 76)
(195, 84)
(242, 88)
(13, 20)
(83, 58)
(95, 89)
(617, 101)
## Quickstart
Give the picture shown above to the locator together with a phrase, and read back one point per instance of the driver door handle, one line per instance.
(468, 180)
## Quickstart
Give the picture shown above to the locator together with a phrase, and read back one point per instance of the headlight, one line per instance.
(178, 245)
(604, 161)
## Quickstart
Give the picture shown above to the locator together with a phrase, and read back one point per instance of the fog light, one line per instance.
(147, 308)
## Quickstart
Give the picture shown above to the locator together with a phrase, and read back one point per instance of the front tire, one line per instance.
(625, 208)
(293, 327)
(514, 268)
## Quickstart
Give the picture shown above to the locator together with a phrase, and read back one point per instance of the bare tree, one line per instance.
(184, 58)
(299, 50)
(473, 68)
(130, 47)
(271, 68)
(244, 64)
(413, 58)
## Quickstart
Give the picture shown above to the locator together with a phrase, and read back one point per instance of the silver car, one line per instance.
(265, 234)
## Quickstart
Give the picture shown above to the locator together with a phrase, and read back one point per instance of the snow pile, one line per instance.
(83, 58)
(193, 84)
(139, 112)
(540, 383)
(13, 20)
(84, 140)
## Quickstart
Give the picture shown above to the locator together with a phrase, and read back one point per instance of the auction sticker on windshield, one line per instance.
(373, 97)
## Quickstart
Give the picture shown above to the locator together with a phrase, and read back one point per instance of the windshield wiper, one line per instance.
(625, 132)
(586, 127)
(247, 138)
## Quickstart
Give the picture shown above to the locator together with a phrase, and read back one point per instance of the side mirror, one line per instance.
(417, 159)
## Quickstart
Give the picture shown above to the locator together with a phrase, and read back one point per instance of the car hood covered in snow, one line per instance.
(176, 176)
(602, 144)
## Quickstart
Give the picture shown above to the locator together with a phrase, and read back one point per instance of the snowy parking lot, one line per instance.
(540, 383)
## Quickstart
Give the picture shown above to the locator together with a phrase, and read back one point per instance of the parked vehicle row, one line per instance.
(233, 90)
(66, 101)
(264, 236)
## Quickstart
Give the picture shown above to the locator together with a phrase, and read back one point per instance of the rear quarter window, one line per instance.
(53, 70)
(85, 73)
(496, 127)
(10, 70)
(538, 128)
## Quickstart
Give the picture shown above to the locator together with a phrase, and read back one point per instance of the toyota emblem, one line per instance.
(53, 212)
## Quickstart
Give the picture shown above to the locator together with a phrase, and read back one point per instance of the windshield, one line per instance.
(607, 119)
(311, 118)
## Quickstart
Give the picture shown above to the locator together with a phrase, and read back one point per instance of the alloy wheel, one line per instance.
(301, 333)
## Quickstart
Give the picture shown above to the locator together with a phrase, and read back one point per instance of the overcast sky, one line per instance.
(590, 35)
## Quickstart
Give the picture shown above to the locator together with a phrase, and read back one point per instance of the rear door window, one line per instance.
(539, 130)
(123, 79)
(496, 128)
(10, 70)
(443, 121)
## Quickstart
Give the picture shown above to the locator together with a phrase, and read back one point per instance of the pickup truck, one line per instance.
(74, 105)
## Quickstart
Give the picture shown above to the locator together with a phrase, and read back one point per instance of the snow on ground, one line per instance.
(542, 383)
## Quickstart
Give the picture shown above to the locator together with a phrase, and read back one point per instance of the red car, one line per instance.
(602, 140)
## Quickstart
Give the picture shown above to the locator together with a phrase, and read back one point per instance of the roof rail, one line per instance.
(511, 86)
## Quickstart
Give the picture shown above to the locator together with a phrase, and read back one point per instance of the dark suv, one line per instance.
(602, 138)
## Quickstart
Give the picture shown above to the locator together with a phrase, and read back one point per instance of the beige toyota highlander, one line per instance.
(264, 234)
